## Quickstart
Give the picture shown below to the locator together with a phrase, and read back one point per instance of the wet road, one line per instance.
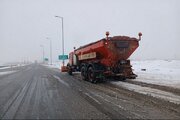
(37, 92)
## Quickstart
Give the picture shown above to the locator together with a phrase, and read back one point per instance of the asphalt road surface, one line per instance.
(37, 92)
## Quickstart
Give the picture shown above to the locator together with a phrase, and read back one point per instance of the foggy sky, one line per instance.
(25, 25)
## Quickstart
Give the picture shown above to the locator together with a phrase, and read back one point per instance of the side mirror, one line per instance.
(140, 34)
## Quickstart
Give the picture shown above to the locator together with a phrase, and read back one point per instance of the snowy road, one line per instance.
(38, 92)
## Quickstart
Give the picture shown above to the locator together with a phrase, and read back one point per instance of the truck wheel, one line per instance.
(123, 78)
(83, 73)
(91, 75)
(69, 70)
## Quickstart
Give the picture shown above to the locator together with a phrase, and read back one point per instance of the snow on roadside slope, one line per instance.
(6, 72)
(160, 72)
(6, 67)
(52, 66)
(55, 64)
(12, 66)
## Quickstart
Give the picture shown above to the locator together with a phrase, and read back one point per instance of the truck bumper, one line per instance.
(124, 75)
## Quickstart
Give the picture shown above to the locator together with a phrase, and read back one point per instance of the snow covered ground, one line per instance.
(160, 72)
(55, 64)
(6, 72)
(12, 66)
(150, 91)
(5, 67)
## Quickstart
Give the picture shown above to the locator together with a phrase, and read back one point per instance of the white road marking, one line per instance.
(92, 98)
(110, 102)
(61, 81)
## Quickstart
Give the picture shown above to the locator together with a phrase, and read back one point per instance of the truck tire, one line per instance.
(69, 70)
(91, 75)
(83, 73)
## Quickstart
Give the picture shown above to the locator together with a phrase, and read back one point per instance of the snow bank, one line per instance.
(159, 72)
(6, 72)
(6, 67)
(12, 66)
(55, 64)
(150, 91)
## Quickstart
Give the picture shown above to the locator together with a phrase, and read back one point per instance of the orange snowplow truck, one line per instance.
(104, 58)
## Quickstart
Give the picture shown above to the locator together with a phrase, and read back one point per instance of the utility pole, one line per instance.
(50, 50)
(43, 52)
(62, 37)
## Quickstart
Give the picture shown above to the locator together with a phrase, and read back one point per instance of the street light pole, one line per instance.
(50, 49)
(62, 36)
(43, 51)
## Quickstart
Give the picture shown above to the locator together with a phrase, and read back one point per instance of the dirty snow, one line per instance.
(160, 72)
(150, 91)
